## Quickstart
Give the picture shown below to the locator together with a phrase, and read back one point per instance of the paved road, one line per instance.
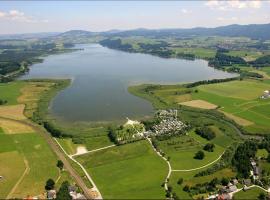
(59, 153)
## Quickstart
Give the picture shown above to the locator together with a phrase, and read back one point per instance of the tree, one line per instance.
(209, 147)
(268, 158)
(199, 155)
(60, 164)
(180, 181)
(224, 181)
(63, 193)
(175, 197)
(49, 184)
(186, 188)
(262, 196)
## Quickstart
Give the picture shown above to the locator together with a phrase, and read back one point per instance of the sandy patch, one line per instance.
(238, 120)
(12, 127)
(12, 112)
(131, 122)
(81, 150)
(199, 104)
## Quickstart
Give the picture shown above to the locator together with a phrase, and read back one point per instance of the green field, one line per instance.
(120, 172)
(240, 98)
(249, 194)
(182, 149)
(10, 91)
(204, 53)
(26, 159)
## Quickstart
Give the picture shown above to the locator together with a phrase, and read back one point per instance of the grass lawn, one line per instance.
(120, 172)
(249, 194)
(11, 91)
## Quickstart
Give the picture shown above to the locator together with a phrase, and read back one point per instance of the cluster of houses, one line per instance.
(266, 94)
(226, 192)
(169, 123)
(51, 194)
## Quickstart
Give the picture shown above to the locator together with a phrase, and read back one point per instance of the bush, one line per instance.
(49, 184)
(199, 155)
(180, 181)
(186, 188)
(209, 147)
(205, 132)
(60, 164)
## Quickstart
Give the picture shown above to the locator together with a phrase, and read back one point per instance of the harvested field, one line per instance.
(13, 127)
(30, 95)
(199, 104)
(238, 120)
(12, 112)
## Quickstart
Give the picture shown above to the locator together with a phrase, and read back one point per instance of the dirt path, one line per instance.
(26, 171)
(78, 154)
(189, 170)
(168, 163)
(84, 170)
(54, 146)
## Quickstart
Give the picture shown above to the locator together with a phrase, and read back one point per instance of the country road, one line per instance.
(39, 130)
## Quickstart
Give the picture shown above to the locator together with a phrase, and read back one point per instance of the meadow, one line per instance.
(120, 172)
(181, 150)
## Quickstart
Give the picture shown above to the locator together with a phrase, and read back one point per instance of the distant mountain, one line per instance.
(27, 36)
(254, 31)
(77, 33)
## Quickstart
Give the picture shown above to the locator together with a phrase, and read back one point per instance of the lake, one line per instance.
(101, 76)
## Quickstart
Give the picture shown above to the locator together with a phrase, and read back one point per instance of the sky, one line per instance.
(59, 16)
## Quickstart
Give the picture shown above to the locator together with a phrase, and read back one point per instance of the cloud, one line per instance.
(230, 19)
(15, 15)
(185, 11)
(233, 4)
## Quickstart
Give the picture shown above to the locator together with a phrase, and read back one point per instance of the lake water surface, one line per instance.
(101, 77)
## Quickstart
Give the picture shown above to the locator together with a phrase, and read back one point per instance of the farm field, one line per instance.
(238, 100)
(26, 159)
(10, 91)
(242, 99)
(120, 172)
